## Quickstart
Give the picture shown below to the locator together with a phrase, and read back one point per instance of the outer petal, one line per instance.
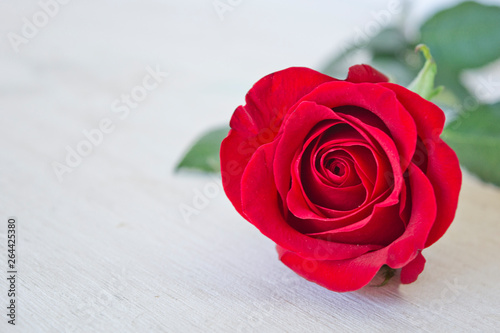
(365, 73)
(423, 214)
(336, 275)
(410, 272)
(234, 157)
(443, 169)
(273, 96)
(258, 122)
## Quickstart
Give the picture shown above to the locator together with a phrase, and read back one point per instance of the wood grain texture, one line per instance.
(108, 250)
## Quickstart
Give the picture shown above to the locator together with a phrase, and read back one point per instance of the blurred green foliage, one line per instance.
(475, 137)
(462, 37)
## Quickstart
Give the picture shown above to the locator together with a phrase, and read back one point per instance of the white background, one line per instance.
(107, 250)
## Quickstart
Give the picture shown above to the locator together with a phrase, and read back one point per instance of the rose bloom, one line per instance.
(345, 176)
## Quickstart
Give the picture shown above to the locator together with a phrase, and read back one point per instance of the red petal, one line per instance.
(423, 214)
(338, 275)
(342, 198)
(381, 228)
(445, 175)
(234, 156)
(390, 165)
(365, 73)
(443, 169)
(410, 272)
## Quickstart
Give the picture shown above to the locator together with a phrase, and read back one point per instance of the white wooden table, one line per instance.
(106, 249)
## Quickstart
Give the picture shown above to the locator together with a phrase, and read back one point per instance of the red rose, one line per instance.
(344, 176)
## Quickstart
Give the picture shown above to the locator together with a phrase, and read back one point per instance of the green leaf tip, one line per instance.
(423, 84)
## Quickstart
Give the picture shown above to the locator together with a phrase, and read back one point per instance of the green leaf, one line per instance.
(424, 82)
(475, 137)
(464, 36)
(204, 154)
